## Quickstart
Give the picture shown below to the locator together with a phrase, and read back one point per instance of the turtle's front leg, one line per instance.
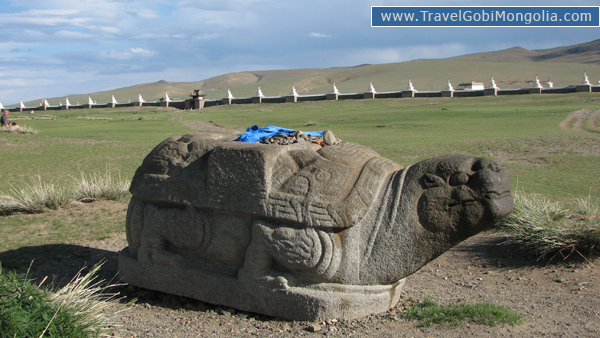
(258, 261)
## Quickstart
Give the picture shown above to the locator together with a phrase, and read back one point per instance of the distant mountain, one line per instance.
(512, 68)
(588, 52)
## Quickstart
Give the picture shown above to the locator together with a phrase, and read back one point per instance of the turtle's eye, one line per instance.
(430, 181)
(459, 179)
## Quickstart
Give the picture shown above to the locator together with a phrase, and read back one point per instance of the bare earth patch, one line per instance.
(559, 299)
(577, 119)
(536, 150)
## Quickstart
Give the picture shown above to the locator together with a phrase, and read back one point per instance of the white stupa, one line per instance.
(493, 84)
(334, 90)
(21, 104)
(371, 88)
(45, 103)
(113, 100)
(229, 95)
(449, 86)
(67, 103)
(410, 86)
(537, 82)
(90, 101)
(167, 98)
(1, 106)
(549, 84)
(259, 93)
(140, 98)
(585, 80)
(294, 92)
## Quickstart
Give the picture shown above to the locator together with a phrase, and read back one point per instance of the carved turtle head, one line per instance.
(459, 195)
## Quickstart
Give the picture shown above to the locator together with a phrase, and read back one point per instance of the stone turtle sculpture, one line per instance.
(299, 231)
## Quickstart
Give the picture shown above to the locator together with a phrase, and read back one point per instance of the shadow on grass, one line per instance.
(59, 262)
(489, 247)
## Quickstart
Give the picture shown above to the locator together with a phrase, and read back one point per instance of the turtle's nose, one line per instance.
(490, 176)
(484, 163)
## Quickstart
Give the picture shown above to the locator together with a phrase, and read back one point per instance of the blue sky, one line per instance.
(51, 48)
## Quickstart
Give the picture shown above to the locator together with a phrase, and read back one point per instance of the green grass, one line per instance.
(79, 309)
(430, 313)
(519, 131)
(76, 225)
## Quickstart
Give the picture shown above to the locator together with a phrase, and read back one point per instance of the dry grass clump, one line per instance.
(545, 228)
(33, 198)
(36, 117)
(100, 186)
(37, 196)
(22, 130)
(88, 301)
(94, 118)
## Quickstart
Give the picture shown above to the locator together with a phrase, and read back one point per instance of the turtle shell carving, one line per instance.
(329, 187)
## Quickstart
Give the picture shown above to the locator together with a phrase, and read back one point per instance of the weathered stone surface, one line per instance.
(299, 231)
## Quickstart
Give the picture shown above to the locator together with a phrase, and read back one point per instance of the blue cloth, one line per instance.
(256, 134)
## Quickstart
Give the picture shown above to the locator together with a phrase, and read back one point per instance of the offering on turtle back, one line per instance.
(300, 231)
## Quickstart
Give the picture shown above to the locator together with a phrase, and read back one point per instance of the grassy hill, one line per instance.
(588, 53)
(512, 68)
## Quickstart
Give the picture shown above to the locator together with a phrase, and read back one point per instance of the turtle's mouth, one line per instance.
(463, 202)
(494, 195)
(490, 196)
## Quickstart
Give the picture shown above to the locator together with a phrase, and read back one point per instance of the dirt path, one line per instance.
(581, 117)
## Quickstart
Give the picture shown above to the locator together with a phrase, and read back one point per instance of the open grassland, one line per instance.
(521, 132)
(549, 143)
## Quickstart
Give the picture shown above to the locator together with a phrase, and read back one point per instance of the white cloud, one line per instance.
(42, 18)
(17, 82)
(146, 13)
(67, 34)
(142, 52)
(128, 54)
(201, 18)
(319, 35)
(400, 54)
(110, 30)
(228, 5)
(206, 36)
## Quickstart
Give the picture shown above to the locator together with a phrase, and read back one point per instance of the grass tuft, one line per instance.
(34, 197)
(545, 228)
(94, 118)
(86, 300)
(22, 130)
(37, 196)
(428, 312)
(80, 309)
(100, 186)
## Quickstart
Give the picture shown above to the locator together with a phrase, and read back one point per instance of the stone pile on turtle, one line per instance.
(327, 139)
(284, 136)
